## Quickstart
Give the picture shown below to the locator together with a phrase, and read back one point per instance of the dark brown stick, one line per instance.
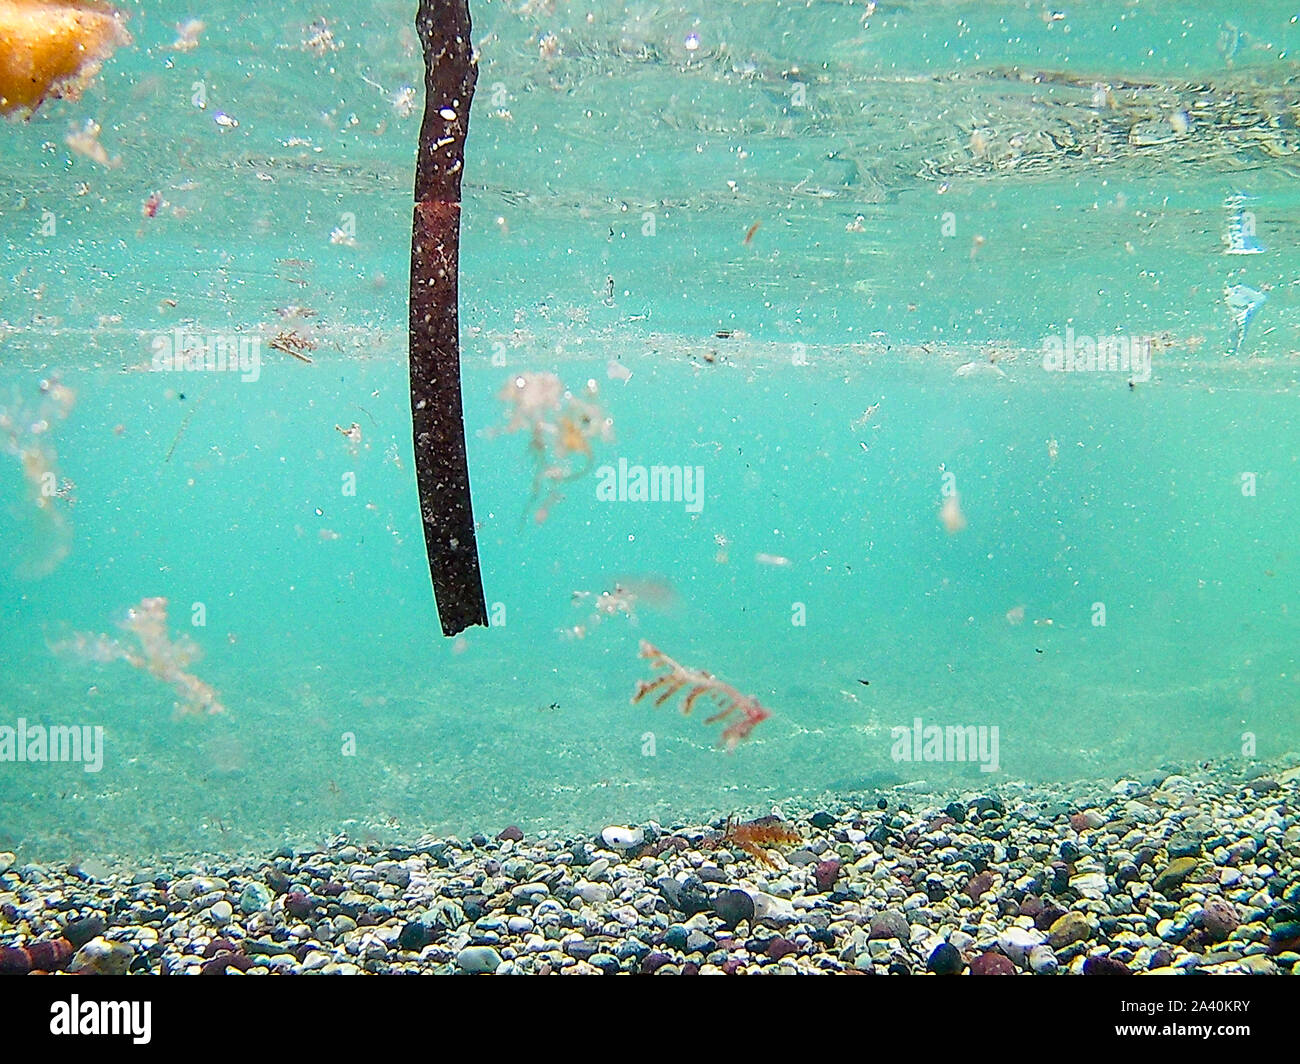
(442, 470)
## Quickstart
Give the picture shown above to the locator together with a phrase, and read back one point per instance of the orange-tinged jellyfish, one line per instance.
(53, 47)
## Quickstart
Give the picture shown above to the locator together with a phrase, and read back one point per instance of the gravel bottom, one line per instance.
(1170, 874)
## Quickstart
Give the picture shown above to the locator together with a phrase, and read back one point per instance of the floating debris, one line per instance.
(723, 543)
(1244, 302)
(84, 140)
(352, 434)
(951, 514)
(562, 428)
(624, 598)
(699, 684)
(981, 368)
(25, 429)
(777, 561)
(187, 35)
(319, 38)
(292, 342)
(157, 654)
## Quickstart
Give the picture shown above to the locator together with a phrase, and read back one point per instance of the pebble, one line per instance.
(101, 957)
(1187, 873)
(620, 838)
(1070, 928)
(478, 960)
(255, 898)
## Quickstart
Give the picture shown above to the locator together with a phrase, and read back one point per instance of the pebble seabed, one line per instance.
(1169, 874)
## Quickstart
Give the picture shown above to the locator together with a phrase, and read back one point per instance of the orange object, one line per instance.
(744, 711)
(756, 837)
(53, 48)
(752, 230)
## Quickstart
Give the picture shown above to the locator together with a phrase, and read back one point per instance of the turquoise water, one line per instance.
(954, 183)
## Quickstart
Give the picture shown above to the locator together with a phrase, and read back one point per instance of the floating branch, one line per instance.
(699, 684)
(442, 469)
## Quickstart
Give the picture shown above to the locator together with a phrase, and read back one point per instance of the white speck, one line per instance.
(692, 41)
(448, 114)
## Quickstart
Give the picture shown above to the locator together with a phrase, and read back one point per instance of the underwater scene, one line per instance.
(878, 552)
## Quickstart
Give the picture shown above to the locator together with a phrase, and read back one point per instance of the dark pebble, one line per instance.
(654, 962)
(685, 897)
(219, 964)
(675, 937)
(581, 949)
(414, 936)
(822, 821)
(945, 960)
(79, 932)
(512, 834)
(1105, 966)
(1284, 937)
(734, 907)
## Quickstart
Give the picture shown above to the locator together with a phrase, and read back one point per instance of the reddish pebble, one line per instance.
(780, 947)
(298, 904)
(218, 945)
(654, 962)
(1105, 966)
(992, 964)
(826, 873)
(978, 885)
